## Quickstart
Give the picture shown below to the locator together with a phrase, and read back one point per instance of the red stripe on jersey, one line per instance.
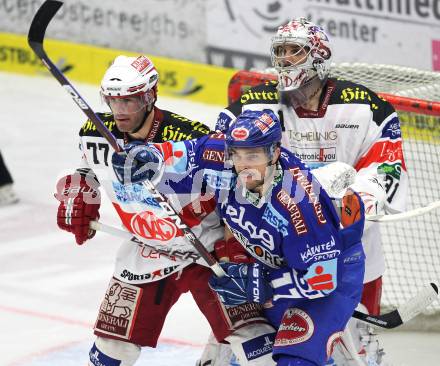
(382, 152)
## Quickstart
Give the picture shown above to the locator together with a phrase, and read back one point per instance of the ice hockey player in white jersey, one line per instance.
(325, 120)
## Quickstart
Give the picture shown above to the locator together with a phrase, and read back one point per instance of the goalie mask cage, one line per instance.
(411, 247)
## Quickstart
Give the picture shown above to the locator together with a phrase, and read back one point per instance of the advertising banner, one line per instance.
(171, 28)
(192, 81)
(234, 33)
(402, 32)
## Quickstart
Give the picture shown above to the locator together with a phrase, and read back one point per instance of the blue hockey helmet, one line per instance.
(254, 129)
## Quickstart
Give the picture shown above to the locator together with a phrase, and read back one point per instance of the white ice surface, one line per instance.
(50, 288)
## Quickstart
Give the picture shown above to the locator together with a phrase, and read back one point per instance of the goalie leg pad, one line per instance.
(294, 361)
(111, 352)
(359, 344)
(252, 344)
(215, 353)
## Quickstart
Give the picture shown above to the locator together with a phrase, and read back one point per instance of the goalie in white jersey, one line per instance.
(326, 120)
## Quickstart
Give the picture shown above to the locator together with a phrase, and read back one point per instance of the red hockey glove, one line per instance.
(79, 204)
(231, 251)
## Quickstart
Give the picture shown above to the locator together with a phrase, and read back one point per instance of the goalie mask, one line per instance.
(301, 54)
(130, 84)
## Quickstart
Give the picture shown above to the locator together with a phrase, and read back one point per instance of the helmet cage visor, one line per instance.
(129, 104)
(291, 54)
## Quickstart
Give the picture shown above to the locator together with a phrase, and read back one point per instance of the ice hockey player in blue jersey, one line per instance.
(308, 263)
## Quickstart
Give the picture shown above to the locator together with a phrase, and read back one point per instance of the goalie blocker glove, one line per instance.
(79, 204)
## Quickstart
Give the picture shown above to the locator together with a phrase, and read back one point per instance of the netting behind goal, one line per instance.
(412, 247)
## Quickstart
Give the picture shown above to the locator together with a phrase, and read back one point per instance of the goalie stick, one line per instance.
(35, 38)
(390, 320)
(336, 177)
(404, 215)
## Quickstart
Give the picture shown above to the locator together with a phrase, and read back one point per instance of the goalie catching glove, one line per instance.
(336, 177)
(372, 192)
(79, 204)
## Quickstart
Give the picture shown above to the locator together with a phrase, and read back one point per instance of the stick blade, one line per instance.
(40, 22)
(404, 312)
(419, 302)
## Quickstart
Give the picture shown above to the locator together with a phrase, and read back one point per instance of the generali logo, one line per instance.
(149, 226)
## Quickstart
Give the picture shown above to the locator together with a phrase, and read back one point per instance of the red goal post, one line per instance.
(398, 92)
(412, 248)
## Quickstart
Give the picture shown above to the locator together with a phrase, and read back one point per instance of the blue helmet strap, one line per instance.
(270, 151)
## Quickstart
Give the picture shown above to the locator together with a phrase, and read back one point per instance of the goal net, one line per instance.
(412, 247)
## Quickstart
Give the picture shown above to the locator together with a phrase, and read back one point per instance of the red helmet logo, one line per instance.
(240, 133)
(149, 226)
(141, 63)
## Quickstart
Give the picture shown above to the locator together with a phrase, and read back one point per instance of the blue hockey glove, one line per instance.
(242, 283)
(138, 162)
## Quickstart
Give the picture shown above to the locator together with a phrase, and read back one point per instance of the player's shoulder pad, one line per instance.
(290, 202)
(347, 92)
(213, 151)
(289, 158)
(266, 93)
(89, 129)
(175, 127)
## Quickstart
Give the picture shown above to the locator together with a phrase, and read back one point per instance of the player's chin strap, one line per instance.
(144, 121)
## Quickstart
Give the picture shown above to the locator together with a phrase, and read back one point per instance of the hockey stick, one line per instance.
(169, 251)
(336, 177)
(35, 38)
(389, 320)
(404, 312)
(404, 215)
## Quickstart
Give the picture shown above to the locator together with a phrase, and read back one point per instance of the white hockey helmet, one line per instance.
(129, 77)
(309, 40)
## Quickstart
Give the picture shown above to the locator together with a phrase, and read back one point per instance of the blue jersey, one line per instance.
(315, 268)
(293, 229)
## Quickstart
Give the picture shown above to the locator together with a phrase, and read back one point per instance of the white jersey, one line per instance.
(141, 214)
(354, 126)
